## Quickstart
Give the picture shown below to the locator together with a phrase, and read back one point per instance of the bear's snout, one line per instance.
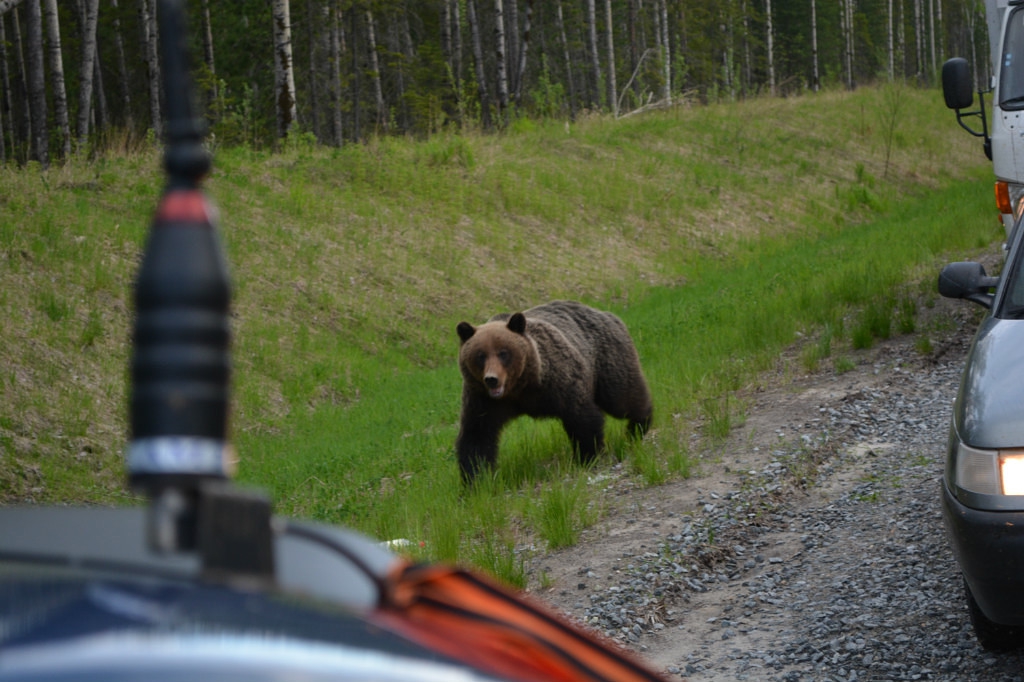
(494, 387)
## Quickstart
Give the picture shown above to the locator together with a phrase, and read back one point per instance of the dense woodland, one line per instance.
(81, 75)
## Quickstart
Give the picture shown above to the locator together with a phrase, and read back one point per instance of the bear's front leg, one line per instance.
(477, 443)
(475, 451)
(585, 428)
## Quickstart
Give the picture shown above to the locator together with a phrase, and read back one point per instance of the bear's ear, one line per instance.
(517, 323)
(465, 330)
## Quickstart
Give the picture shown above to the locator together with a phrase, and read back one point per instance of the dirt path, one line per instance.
(867, 499)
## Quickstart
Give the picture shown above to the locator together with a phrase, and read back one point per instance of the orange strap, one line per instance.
(486, 626)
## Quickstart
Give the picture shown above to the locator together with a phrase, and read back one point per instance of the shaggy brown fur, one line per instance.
(561, 359)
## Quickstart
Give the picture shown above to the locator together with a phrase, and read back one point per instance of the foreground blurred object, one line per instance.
(83, 597)
(181, 364)
(205, 582)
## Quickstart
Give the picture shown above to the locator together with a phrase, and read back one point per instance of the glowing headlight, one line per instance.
(1011, 466)
(990, 472)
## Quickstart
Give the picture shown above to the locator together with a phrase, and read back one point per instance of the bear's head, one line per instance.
(495, 355)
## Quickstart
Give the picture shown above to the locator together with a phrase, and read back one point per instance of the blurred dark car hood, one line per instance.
(81, 598)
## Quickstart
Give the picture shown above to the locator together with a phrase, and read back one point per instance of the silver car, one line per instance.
(983, 483)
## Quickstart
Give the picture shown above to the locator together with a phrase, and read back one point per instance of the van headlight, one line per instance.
(990, 472)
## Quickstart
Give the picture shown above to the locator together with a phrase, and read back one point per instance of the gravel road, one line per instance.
(810, 547)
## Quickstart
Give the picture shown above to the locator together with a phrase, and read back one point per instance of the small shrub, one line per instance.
(844, 365)
(563, 511)
(645, 463)
(906, 314)
(92, 331)
(879, 319)
(680, 464)
(813, 354)
(717, 420)
(497, 556)
(53, 306)
(862, 338)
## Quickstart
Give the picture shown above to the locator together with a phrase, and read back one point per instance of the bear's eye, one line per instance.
(503, 356)
(481, 359)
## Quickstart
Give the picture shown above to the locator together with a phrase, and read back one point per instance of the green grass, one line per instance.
(722, 235)
(698, 344)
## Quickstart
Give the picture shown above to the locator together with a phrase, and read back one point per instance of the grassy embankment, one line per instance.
(721, 235)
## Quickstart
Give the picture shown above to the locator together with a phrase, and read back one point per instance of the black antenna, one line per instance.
(178, 452)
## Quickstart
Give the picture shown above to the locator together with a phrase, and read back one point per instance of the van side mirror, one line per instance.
(956, 83)
(967, 280)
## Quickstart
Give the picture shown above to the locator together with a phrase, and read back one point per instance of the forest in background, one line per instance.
(84, 75)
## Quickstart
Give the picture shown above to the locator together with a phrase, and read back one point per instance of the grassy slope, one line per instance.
(706, 228)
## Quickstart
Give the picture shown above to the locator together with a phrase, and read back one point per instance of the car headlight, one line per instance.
(1011, 467)
(990, 472)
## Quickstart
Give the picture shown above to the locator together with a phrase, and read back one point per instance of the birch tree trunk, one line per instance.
(511, 21)
(901, 39)
(446, 34)
(748, 58)
(101, 118)
(568, 60)
(656, 18)
(451, 97)
(815, 74)
(313, 23)
(666, 53)
(633, 42)
(122, 71)
(408, 51)
(845, 32)
(613, 95)
(595, 64)
(499, 42)
(22, 98)
(284, 71)
(889, 42)
(149, 34)
(478, 60)
(56, 60)
(969, 20)
(457, 44)
(335, 24)
(92, 8)
(729, 52)
(213, 94)
(378, 90)
(931, 35)
(771, 47)
(40, 148)
(353, 31)
(521, 72)
(918, 39)
(6, 99)
(3, 133)
(851, 36)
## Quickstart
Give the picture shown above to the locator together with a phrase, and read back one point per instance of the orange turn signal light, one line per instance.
(1003, 197)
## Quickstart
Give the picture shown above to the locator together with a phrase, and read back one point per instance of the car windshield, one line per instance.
(1011, 74)
(1012, 306)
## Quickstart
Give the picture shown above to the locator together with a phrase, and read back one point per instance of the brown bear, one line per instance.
(561, 359)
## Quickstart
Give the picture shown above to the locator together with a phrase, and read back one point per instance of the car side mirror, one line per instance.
(967, 280)
(957, 84)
